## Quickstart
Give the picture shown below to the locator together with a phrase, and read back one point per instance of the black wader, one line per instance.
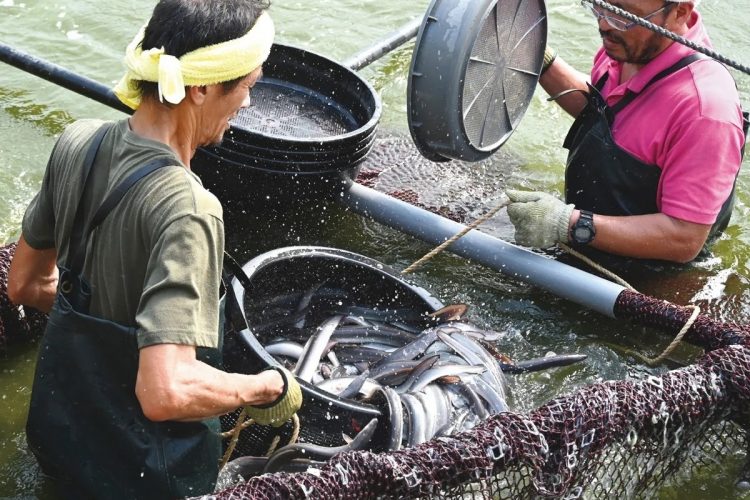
(605, 179)
(85, 423)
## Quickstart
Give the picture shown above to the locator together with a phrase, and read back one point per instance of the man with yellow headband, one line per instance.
(126, 394)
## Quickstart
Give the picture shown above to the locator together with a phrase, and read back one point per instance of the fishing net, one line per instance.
(452, 189)
(625, 437)
(15, 322)
(622, 437)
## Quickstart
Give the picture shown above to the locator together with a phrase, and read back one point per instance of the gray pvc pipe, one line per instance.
(61, 76)
(381, 48)
(560, 279)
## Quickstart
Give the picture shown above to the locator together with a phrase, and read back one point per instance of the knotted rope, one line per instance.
(440, 248)
(601, 269)
(242, 424)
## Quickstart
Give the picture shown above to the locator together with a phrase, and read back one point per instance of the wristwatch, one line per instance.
(583, 231)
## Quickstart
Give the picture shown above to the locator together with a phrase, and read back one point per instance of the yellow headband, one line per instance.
(217, 63)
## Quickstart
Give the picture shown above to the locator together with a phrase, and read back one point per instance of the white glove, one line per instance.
(540, 219)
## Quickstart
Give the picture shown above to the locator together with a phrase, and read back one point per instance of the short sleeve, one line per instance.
(38, 226)
(180, 299)
(44, 212)
(700, 169)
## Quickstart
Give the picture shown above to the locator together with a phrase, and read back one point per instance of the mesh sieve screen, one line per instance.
(501, 72)
(288, 111)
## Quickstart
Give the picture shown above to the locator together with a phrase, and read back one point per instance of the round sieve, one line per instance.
(307, 102)
(310, 123)
(473, 72)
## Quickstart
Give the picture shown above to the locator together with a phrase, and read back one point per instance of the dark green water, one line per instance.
(88, 37)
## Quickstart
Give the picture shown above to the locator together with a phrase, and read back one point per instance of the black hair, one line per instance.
(182, 26)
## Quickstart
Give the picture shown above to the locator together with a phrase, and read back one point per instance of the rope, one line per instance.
(672, 346)
(243, 424)
(455, 237)
(247, 423)
(600, 268)
(235, 433)
(672, 36)
(293, 439)
(274, 444)
(606, 272)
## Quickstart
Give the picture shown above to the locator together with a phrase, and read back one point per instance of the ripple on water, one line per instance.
(92, 44)
(21, 170)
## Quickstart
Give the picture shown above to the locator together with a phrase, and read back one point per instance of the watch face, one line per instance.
(582, 234)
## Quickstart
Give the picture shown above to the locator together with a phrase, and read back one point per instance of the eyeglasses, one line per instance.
(613, 20)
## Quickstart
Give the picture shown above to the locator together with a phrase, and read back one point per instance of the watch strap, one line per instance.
(585, 221)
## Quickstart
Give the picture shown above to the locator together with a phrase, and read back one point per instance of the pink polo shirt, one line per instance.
(688, 124)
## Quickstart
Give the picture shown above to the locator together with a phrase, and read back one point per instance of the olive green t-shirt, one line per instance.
(155, 262)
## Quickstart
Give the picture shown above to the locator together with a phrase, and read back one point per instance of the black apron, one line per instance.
(85, 424)
(605, 179)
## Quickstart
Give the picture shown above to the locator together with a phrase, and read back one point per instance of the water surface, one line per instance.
(88, 37)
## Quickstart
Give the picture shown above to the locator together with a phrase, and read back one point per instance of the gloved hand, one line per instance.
(550, 55)
(540, 219)
(278, 412)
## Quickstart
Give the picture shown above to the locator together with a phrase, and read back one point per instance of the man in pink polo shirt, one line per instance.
(655, 148)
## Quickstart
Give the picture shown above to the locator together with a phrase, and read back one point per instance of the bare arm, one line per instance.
(173, 385)
(652, 236)
(32, 279)
(561, 76)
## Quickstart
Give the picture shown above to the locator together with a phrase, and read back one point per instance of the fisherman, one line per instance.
(656, 144)
(126, 393)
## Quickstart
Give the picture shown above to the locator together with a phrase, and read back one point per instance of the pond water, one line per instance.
(88, 37)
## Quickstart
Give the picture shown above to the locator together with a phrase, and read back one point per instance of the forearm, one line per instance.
(652, 236)
(173, 385)
(33, 275)
(559, 77)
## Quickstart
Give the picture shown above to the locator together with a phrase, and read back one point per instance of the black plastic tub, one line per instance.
(294, 162)
(256, 187)
(308, 102)
(288, 274)
(294, 150)
(310, 124)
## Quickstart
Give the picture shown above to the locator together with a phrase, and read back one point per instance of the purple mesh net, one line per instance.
(623, 437)
(619, 437)
(15, 323)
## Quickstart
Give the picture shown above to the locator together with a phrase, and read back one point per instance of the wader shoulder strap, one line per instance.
(233, 309)
(599, 85)
(746, 130)
(87, 182)
(236, 269)
(629, 96)
(116, 195)
(77, 246)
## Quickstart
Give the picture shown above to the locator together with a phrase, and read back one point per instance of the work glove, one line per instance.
(278, 412)
(540, 219)
(550, 55)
